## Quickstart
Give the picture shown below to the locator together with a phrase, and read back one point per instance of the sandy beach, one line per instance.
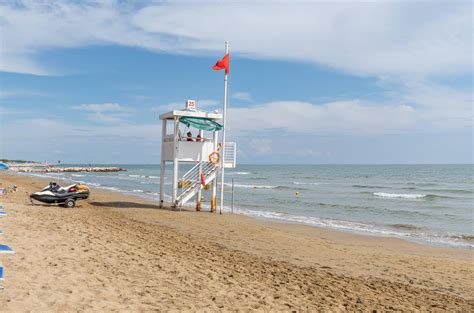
(116, 252)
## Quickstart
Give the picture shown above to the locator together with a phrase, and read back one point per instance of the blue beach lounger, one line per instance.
(6, 249)
(2, 214)
(1, 272)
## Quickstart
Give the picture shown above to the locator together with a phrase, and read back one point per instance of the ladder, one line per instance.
(191, 181)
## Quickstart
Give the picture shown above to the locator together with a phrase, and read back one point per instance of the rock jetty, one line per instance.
(44, 168)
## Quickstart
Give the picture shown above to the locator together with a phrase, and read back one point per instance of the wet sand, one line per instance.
(116, 252)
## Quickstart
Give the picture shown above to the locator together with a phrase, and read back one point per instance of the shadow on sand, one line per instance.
(134, 205)
(125, 204)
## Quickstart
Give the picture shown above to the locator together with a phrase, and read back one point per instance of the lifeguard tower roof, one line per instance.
(190, 113)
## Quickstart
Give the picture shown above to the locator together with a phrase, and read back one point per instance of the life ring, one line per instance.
(214, 157)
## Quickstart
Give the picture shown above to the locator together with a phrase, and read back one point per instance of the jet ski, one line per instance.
(66, 196)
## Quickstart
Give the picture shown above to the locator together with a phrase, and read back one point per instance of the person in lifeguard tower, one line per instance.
(189, 136)
(199, 138)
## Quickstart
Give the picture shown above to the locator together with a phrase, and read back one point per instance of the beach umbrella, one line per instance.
(3, 166)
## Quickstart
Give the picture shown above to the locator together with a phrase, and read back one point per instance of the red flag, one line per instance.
(222, 64)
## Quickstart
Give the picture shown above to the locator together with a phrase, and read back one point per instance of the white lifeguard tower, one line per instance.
(202, 151)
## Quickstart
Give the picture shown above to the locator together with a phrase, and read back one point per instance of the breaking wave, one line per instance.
(253, 186)
(405, 231)
(399, 195)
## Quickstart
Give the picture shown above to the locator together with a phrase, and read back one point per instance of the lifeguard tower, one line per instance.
(202, 151)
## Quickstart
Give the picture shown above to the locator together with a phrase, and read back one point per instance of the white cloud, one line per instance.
(103, 107)
(78, 142)
(424, 108)
(38, 128)
(442, 107)
(20, 93)
(207, 103)
(362, 38)
(32, 27)
(260, 146)
(335, 117)
(365, 38)
(244, 96)
(105, 112)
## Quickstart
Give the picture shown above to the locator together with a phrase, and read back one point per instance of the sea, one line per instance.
(430, 204)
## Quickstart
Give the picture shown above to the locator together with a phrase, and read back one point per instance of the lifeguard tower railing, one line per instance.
(191, 151)
(230, 154)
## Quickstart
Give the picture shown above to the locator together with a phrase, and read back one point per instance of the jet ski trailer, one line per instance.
(65, 196)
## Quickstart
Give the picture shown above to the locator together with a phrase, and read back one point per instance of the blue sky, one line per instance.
(319, 82)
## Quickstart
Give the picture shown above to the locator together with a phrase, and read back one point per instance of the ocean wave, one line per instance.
(405, 226)
(310, 220)
(239, 173)
(368, 186)
(405, 231)
(422, 184)
(455, 191)
(137, 190)
(37, 175)
(78, 175)
(112, 188)
(399, 195)
(253, 186)
(469, 238)
(45, 175)
(309, 183)
(141, 176)
(152, 193)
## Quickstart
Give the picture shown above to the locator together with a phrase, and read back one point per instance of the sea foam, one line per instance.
(406, 232)
(251, 186)
(399, 195)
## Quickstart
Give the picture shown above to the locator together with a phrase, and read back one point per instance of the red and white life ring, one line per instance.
(214, 157)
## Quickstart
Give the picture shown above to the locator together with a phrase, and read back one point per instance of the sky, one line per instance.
(313, 82)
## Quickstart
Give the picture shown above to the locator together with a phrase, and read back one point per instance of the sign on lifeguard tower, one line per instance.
(191, 104)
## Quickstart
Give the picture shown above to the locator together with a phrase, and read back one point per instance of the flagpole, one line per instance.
(223, 132)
